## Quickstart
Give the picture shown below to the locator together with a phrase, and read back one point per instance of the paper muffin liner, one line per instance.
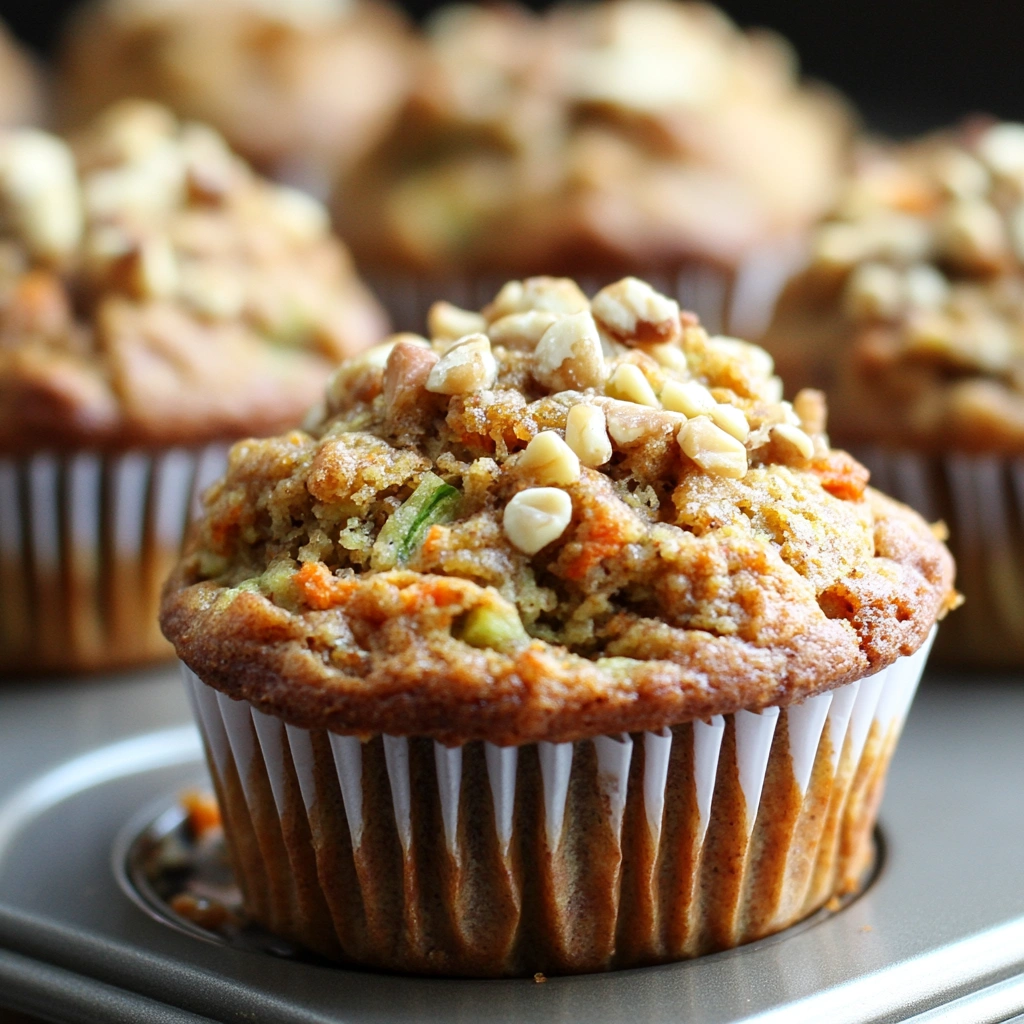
(739, 301)
(611, 852)
(86, 541)
(981, 500)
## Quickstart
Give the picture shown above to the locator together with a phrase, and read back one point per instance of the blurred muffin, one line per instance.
(560, 643)
(155, 297)
(595, 140)
(20, 85)
(300, 88)
(911, 315)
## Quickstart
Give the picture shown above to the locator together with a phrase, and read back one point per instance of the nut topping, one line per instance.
(586, 433)
(629, 383)
(536, 517)
(795, 438)
(712, 448)
(687, 397)
(550, 460)
(450, 322)
(467, 366)
(521, 330)
(632, 311)
(569, 356)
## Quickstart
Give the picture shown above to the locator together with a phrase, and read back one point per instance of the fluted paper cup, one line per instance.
(740, 301)
(617, 851)
(86, 541)
(981, 500)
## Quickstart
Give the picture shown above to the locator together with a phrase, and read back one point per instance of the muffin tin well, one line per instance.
(944, 920)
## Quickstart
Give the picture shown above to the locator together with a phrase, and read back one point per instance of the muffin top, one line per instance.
(298, 87)
(558, 518)
(154, 290)
(20, 93)
(911, 311)
(632, 133)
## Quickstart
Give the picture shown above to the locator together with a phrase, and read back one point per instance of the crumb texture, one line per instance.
(556, 518)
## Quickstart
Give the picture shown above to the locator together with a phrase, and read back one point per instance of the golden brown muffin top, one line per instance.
(626, 133)
(559, 517)
(914, 296)
(300, 88)
(153, 289)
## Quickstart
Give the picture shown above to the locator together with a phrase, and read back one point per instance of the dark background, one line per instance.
(909, 64)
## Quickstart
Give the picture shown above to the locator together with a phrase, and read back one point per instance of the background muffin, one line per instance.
(155, 297)
(594, 140)
(911, 315)
(497, 555)
(299, 88)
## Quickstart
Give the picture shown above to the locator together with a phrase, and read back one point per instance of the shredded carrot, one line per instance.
(224, 525)
(842, 475)
(319, 588)
(600, 538)
(202, 810)
(432, 541)
(438, 590)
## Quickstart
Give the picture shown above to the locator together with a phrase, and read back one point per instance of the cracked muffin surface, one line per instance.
(911, 309)
(556, 518)
(154, 290)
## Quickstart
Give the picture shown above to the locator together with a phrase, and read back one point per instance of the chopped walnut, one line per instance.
(569, 354)
(631, 310)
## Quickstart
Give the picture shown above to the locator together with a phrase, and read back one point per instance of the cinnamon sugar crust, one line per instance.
(154, 290)
(453, 549)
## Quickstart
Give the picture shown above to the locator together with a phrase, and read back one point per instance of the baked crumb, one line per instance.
(209, 914)
(433, 556)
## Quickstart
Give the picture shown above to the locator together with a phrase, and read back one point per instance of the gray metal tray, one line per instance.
(938, 937)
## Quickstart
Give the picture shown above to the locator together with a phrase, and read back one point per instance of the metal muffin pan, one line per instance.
(939, 935)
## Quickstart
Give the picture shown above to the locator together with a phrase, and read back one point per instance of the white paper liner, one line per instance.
(740, 302)
(261, 750)
(86, 540)
(981, 500)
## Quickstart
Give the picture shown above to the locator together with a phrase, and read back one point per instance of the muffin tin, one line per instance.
(939, 935)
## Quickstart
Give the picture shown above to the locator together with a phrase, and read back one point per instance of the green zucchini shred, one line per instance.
(432, 502)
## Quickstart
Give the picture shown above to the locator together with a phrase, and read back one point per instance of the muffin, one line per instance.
(20, 86)
(157, 300)
(594, 140)
(911, 314)
(558, 643)
(300, 88)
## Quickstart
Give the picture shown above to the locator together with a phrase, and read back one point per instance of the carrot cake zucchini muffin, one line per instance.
(596, 139)
(301, 88)
(558, 642)
(911, 315)
(156, 298)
